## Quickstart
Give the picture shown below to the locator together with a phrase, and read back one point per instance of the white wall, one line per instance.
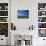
(23, 24)
(32, 6)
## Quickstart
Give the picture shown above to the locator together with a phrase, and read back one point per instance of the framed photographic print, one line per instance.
(22, 13)
(42, 32)
(4, 29)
